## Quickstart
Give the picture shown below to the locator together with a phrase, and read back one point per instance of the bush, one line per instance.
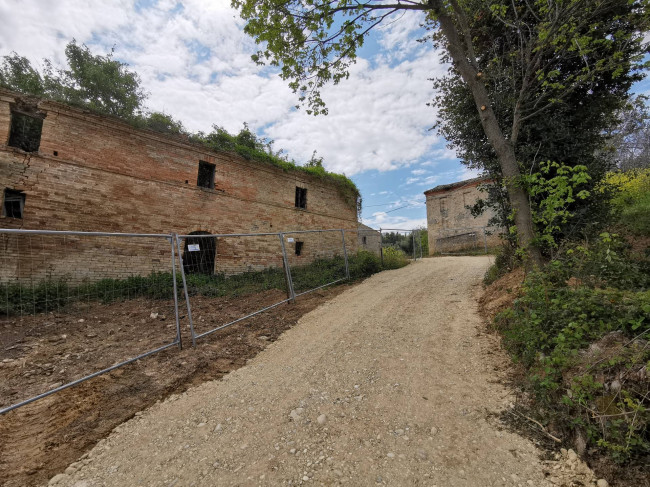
(631, 199)
(581, 329)
(504, 261)
(394, 258)
(50, 294)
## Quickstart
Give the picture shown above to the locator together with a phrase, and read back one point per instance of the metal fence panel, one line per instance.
(404, 240)
(316, 259)
(248, 269)
(74, 305)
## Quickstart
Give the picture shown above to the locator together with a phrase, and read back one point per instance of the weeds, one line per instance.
(53, 294)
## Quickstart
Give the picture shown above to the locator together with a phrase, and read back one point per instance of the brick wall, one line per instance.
(93, 173)
(450, 224)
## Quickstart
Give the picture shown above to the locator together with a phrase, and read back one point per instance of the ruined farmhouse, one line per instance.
(450, 224)
(63, 168)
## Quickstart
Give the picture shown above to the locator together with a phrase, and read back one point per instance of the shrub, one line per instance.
(631, 199)
(504, 261)
(394, 258)
(581, 329)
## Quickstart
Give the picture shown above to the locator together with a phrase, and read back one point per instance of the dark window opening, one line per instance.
(56, 153)
(299, 248)
(301, 197)
(206, 175)
(13, 204)
(364, 240)
(199, 254)
(25, 131)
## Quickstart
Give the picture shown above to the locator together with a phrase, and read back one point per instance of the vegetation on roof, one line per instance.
(107, 87)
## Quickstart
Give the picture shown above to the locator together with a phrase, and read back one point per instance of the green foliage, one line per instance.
(557, 76)
(54, 294)
(505, 260)
(581, 330)
(163, 123)
(98, 83)
(631, 190)
(17, 73)
(554, 189)
(394, 258)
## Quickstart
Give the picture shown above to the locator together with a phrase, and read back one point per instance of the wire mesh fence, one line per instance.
(395, 242)
(74, 305)
(217, 269)
(316, 259)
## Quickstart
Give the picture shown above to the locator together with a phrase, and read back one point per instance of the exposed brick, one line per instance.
(109, 177)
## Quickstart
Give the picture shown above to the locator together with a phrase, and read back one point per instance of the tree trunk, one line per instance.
(502, 146)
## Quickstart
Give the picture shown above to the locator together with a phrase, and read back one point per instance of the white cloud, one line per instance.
(383, 220)
(195, 62)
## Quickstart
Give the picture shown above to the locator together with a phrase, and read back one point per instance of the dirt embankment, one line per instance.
(39, 352)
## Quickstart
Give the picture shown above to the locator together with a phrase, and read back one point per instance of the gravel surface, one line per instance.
(389, 383)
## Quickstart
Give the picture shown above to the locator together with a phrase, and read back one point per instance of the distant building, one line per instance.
(451, 226)
(369, 239)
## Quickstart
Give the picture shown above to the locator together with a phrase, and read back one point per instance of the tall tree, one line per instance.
(315, 41)
(572, 130)
(99, 83)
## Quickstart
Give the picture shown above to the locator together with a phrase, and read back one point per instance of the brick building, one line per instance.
(62, 168)
(450, 224)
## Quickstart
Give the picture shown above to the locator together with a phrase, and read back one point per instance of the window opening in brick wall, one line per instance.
(466, 197)
(25, 131)
(13, 203)
(364, 240)
(199, 254)
(301, 197)
(299, 248)
(206, 175)
(443, 204)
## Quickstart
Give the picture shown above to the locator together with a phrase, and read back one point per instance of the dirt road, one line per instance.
(390, 383)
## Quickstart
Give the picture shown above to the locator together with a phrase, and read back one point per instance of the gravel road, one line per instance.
(390, 383)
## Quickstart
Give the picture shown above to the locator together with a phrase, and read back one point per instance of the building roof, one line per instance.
(441, 188)
(366, 227)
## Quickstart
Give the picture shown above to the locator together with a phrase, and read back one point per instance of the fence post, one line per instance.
(187, 296)
(381, 247)
(413, 239)
(178, 323)
(287, 271)
(345, 254)
(485, 240)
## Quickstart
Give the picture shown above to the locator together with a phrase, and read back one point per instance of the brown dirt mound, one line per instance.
(44, 437)
(501, 293)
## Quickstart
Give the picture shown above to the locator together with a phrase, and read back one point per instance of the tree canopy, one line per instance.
(99, 83)
(516, 59)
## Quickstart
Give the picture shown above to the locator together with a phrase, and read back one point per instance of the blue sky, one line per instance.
(194, 60)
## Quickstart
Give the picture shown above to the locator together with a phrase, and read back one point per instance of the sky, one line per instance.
(195, 61)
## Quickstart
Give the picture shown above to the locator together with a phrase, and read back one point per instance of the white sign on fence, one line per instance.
(193, 247)
(290, 240)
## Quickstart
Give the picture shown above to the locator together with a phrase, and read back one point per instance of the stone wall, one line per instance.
(94, 173)
(451, 226)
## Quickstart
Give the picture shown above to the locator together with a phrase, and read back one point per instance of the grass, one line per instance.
(54, 294)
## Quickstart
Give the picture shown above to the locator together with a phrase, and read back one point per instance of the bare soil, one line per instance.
(40, 352)
(392, 382)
